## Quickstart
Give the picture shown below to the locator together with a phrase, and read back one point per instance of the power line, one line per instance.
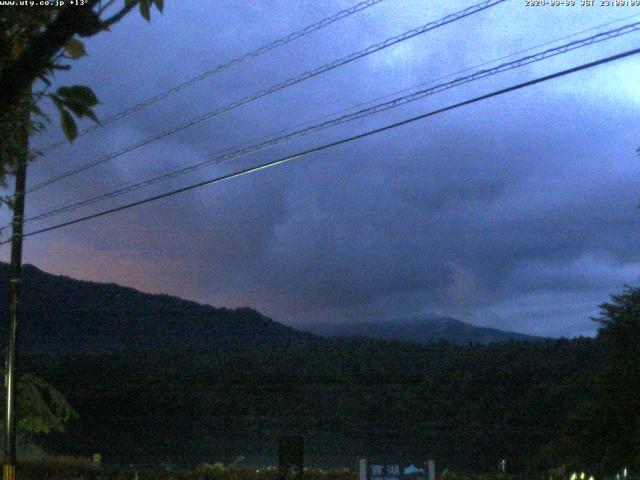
(277, 87)
(326, 146)
(220, 68)
(403, 100)
(467, 69)
(68, 207)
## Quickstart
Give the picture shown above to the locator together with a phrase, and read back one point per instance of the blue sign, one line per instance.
(385, 470)
(397, 471)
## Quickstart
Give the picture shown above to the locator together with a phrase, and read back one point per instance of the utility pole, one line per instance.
(15, 278)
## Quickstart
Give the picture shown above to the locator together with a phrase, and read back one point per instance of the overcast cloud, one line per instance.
(519, 212)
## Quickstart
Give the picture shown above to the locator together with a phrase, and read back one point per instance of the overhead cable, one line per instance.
(378, 108)
(334, 144)
(274, 88)
(220, 68)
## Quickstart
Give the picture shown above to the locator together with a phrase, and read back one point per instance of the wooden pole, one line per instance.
(15, 279)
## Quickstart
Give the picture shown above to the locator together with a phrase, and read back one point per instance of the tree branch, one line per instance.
(22, 72)
(120, 15)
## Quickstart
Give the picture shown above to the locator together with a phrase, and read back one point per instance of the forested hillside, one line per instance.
(158, 379)
(467, 407)
(61, 314)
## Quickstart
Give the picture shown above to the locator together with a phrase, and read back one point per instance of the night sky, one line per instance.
(519, 212)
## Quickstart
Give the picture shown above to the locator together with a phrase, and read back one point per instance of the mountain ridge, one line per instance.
(420, 330)
(62, 314)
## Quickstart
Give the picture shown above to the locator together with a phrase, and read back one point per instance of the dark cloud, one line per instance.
(519, 212)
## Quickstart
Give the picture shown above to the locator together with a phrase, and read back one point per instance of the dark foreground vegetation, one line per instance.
(467, 407)
(241, 381)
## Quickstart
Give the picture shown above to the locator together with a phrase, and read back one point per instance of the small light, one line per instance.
(581, 475)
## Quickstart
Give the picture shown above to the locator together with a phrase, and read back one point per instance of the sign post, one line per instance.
(431, 466)
(362, 469)
(290, 458)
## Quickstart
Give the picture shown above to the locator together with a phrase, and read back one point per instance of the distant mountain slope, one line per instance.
(422, 331)
(157, 379)
(61, 314)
